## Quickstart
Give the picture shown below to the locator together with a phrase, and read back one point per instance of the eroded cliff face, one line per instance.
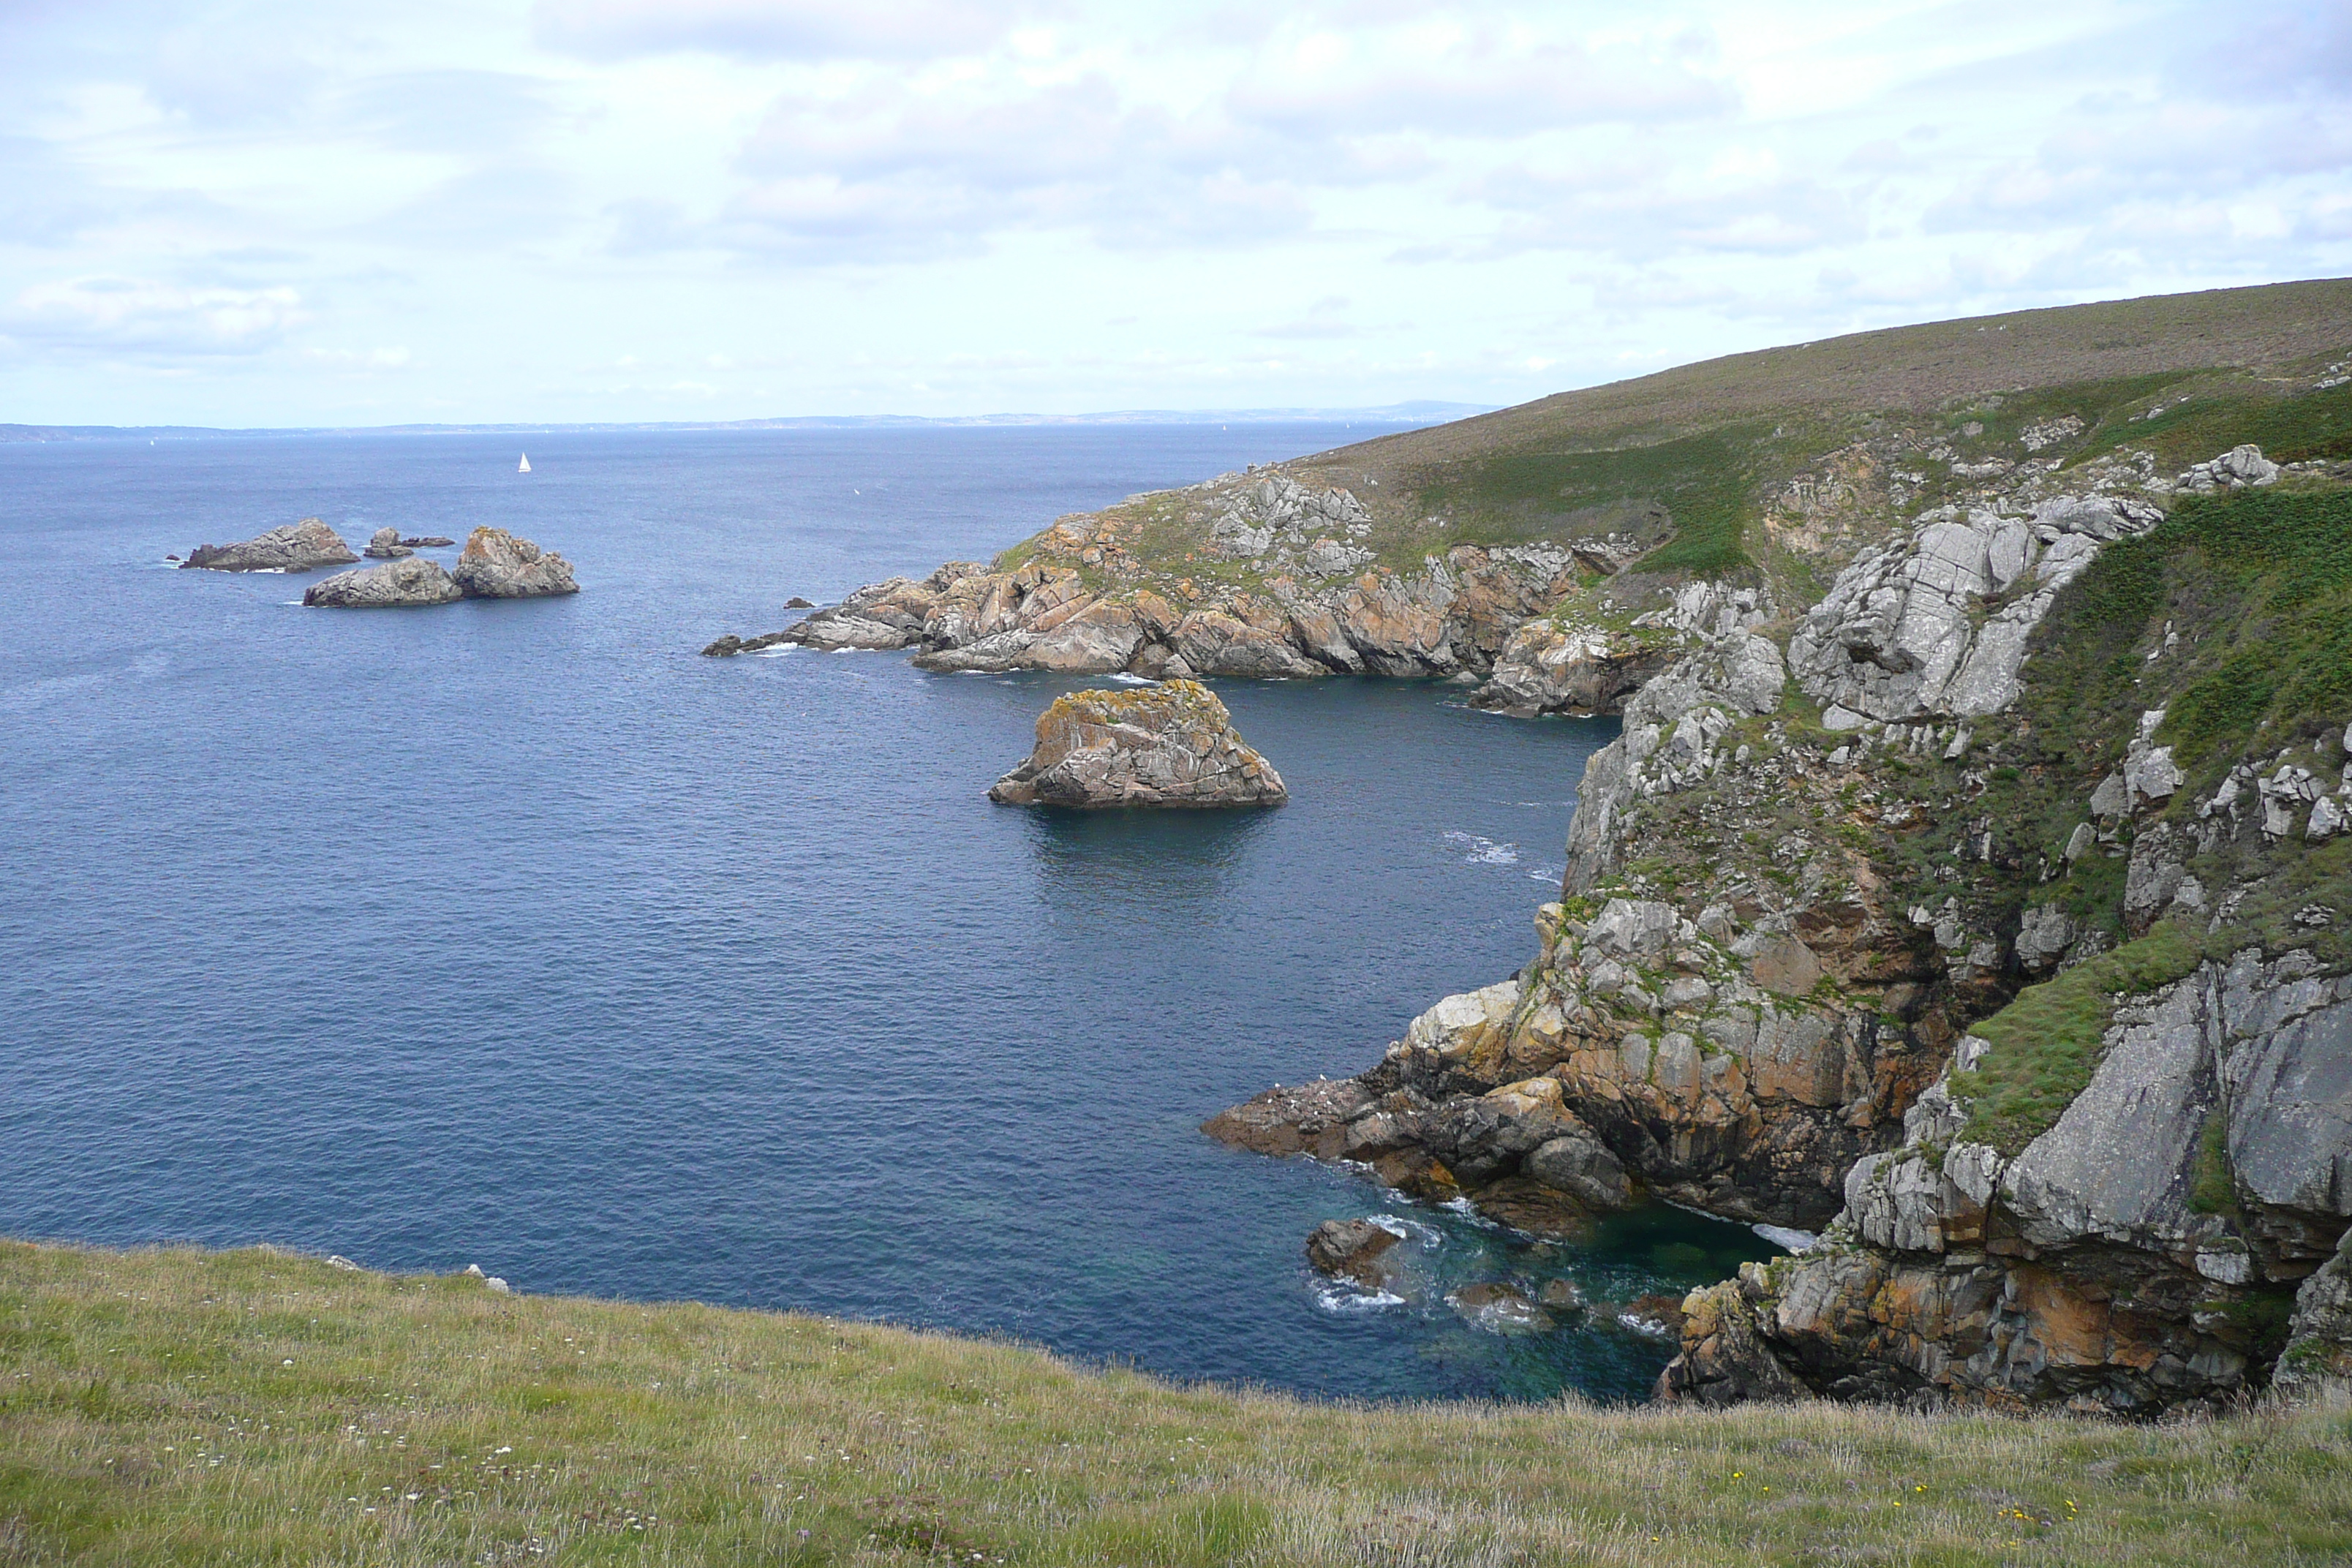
(2131, 1189)
(1799, 880)
(1990, 724)
(2143, 1253)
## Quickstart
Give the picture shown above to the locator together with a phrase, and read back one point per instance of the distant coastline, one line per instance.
(1403, 415)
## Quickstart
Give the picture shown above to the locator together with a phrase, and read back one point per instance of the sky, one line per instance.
(257, 213)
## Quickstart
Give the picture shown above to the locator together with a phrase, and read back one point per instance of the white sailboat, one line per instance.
(524, 466)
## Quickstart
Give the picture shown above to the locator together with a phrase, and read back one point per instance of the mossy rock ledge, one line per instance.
(1168, 745)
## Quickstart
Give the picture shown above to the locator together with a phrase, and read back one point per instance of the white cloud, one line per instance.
(1055, 203)
(791, 29)
(115, 315)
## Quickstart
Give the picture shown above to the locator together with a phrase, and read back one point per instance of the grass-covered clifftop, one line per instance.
(1774, 466)
(256, 1407)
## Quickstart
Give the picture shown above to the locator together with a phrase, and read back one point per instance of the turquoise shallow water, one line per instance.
(519, 934)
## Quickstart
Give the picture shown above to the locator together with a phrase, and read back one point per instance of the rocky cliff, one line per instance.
(1968, 881)
(1988, 910)
(1997, 924)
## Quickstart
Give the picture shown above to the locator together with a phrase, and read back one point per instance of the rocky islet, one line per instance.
(303, 546)
(409, 583)
(495, 565)
(1171, 745)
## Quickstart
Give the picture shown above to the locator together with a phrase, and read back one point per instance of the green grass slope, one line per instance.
(1695, 460)
(1916, 369)
(254, 1407)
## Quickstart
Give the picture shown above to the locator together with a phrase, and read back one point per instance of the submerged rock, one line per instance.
(394, 585)
(1170, 745)
(1501, 1308)
(1351, 1249)
(387, 545)
(732, 644)
(495, 565)
(301, 546)
(427, 542)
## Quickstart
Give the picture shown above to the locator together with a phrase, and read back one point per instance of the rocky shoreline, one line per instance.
(1771, 1026)
(1282, 594)
(1948, 891)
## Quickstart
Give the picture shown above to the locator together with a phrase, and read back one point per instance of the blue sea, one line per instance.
(518, 933)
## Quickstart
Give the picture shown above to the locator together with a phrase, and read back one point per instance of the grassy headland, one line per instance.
(1773, 468)
(257, 1407)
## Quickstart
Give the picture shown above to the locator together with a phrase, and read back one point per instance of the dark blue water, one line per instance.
(521, 933)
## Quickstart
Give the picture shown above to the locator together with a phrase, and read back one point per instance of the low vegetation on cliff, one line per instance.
(256, 1407)
(1973, 882)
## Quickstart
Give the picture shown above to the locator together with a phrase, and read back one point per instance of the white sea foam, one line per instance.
(1421, 1232)
(1546, 873)
(1126, 680)
(1649, 1326)
(778, 651)
(1479, 851)
(1469, 1211)
(1342, 1299)
(1789, 1237)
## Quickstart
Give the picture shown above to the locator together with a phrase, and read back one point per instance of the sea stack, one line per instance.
(495, 565)
(387, 545)
(394, 585)
(296, 547)
(1168, 745)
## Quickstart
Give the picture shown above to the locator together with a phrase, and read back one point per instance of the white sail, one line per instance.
(524, 466)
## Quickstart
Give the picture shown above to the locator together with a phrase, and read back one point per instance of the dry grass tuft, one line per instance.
(254, 1407)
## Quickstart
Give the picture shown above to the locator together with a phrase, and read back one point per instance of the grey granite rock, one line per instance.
(301, 546)
(495, 565)
(1581, 1165)
(2240, 468)
(387, 545)
(2318, 1361)
(1353, 1249)
(1901, 635)
(411, 583)
(1167, 745)
(2095, 1269)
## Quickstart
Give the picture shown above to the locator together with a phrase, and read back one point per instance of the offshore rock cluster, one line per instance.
(495, 565)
